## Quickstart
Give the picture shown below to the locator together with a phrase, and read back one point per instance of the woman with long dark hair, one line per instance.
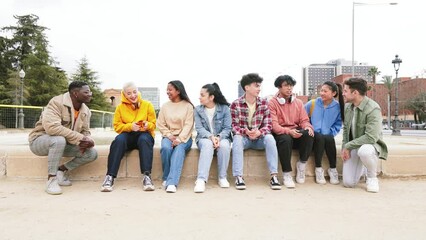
(326, 114)
(175, 123)
(213, 125)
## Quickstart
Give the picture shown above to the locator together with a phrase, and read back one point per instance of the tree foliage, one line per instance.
(27, 49)
(87, 75)
(417, 104)
(373, 72)
(388, 81)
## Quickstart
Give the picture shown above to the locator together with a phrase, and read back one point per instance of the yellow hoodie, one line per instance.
(126, 113)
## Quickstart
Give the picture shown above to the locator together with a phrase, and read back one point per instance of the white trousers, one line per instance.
(366, 156)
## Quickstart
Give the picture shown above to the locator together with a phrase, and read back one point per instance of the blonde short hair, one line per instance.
(128, 85)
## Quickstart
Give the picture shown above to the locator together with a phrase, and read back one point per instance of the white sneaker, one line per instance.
(200, 186)
(63, 179)
(334, 176)
(171, 189)
(300, 174)
(164, 184)
(108, 184)
(52, 186)
(319, 176)
(373, 185)
(288, 180)
(147, 184)
(223, 183)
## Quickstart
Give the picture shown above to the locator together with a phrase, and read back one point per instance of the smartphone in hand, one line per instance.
(301, 131)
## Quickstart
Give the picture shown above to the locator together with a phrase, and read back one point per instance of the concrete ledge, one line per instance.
(20, 162)
(407, 157)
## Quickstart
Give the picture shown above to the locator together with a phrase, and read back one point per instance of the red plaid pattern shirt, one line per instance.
(261, 118)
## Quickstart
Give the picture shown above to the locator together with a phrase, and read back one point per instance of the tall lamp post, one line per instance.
(21, 110)
(396, 62)
(311, 92)
(353, 28)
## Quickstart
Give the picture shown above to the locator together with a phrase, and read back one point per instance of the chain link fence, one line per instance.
(9, 117)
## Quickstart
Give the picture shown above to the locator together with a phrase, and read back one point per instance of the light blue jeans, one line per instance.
(172, 160)
(206, 156)
(241, 143)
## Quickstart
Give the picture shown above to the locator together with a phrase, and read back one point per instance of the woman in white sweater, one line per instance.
(175, 123)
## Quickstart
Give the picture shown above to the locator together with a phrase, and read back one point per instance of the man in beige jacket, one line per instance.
(63, 131)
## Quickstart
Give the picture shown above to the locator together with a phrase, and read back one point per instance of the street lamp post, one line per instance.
(21, 110)
(353, 28)
(311, 91)
(396, 62)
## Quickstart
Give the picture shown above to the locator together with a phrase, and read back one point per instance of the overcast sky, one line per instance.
(199, 42)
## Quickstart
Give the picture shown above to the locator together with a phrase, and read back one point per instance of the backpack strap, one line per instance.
(311, 109)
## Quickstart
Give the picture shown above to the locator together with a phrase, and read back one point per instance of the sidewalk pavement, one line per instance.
(310, 211)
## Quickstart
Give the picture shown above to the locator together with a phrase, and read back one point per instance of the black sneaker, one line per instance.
(239, 183)
(147, 184)
(275, 184)
(108, 184)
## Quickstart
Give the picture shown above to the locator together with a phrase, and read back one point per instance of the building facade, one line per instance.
(408, 88)
(316, 74)
(151, 94)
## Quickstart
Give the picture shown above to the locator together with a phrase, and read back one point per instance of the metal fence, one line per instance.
(9, 117)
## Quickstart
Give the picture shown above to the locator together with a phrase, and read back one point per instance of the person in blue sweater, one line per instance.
(326, 114)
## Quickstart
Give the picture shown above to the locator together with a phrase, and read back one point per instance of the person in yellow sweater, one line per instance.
(134, 121)
(175, 123)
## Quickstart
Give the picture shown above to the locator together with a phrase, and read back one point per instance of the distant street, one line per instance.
(416, 133)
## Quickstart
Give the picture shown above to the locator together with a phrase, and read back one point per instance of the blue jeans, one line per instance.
(241, 143)
(206, 156)
(143, 141)
(172, 160)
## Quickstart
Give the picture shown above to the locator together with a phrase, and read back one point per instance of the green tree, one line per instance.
(373, 72)
(388, 82)
(85, 74)
(27, 49)
(417, 105)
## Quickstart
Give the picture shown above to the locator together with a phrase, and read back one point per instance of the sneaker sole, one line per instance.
(276, 187)
(65, 184)
(53, 193)
(149, 188)
(240, 187)
(373, 190)
(104, 189)
(198, 191)
(290, 186)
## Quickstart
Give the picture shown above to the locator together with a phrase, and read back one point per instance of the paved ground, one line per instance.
(308, 212)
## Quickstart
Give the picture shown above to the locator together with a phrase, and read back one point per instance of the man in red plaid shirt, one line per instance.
(251, 125)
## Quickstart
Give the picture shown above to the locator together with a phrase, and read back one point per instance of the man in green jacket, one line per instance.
(362, 143)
